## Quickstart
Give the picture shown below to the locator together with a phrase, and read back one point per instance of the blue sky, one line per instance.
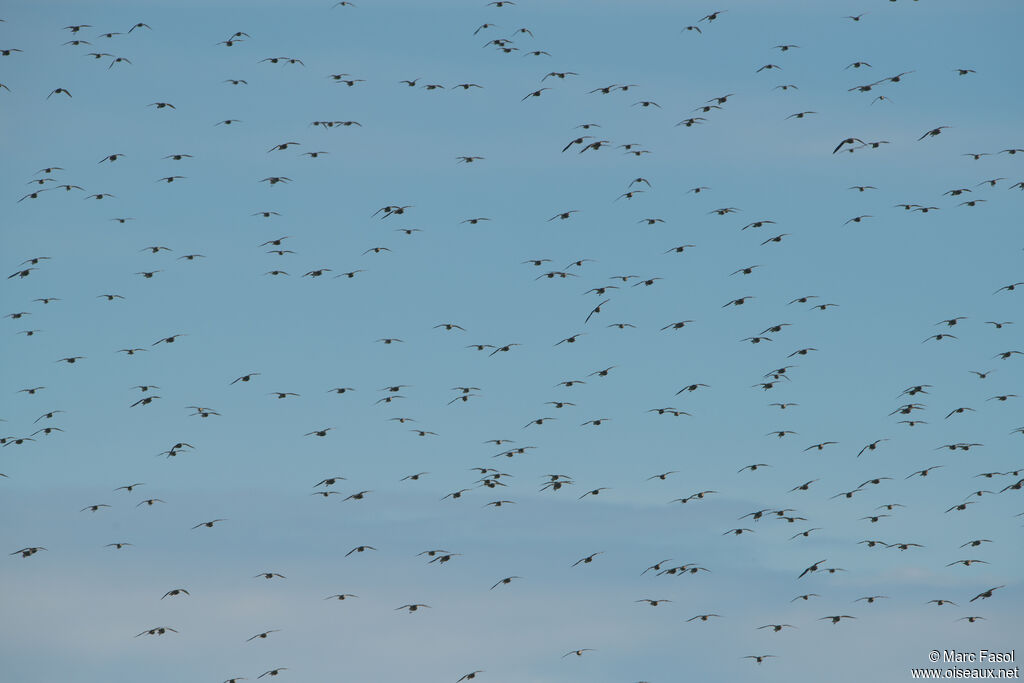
(73, 610)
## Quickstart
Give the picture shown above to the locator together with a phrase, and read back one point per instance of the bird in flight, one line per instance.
(301, 331)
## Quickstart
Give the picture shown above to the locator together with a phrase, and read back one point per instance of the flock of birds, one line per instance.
(34, 428)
